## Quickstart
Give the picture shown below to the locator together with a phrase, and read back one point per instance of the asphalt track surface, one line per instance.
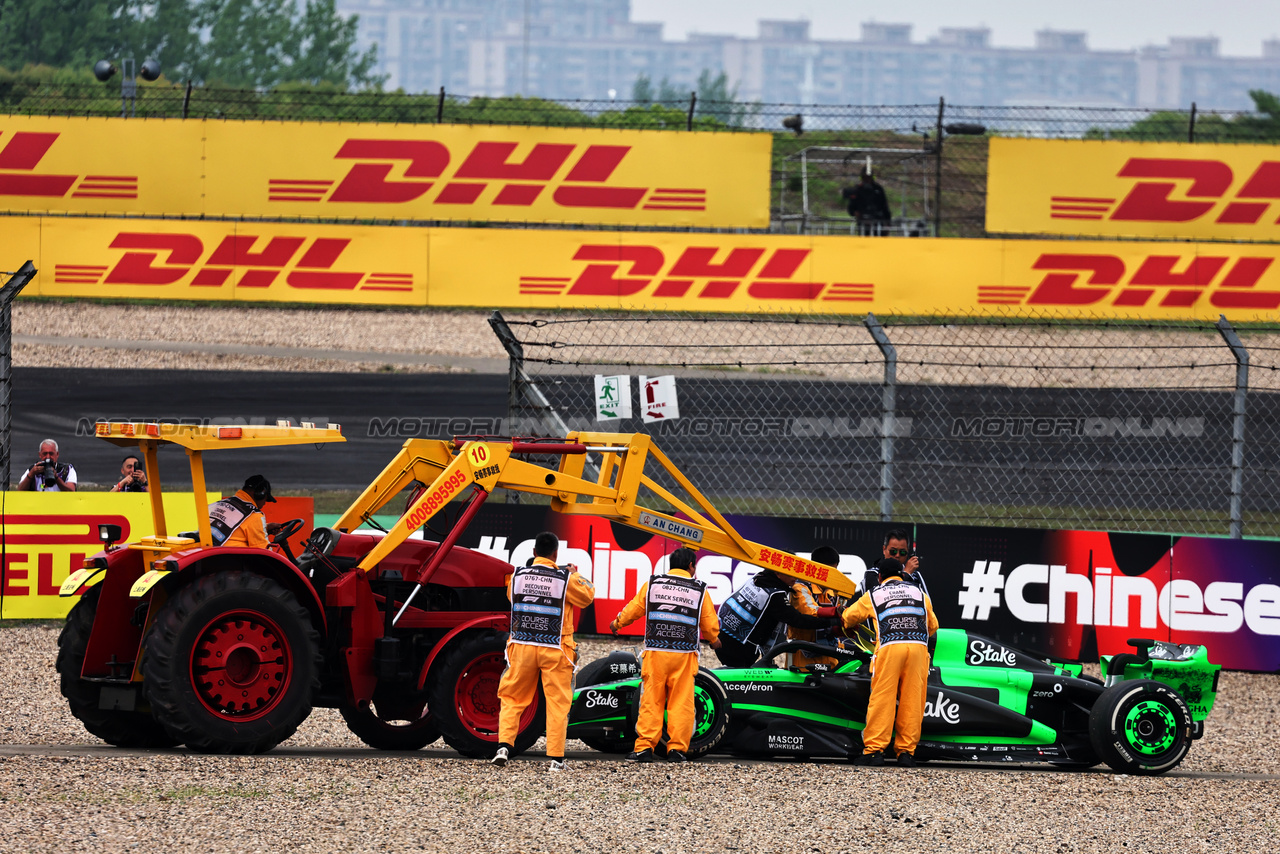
(286, 753)
(63, 403)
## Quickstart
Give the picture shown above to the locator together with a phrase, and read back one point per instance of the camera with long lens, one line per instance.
(46, 470)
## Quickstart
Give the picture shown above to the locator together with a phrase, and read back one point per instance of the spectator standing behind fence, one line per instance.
(133, 476)
(868, 204)
(49, 475)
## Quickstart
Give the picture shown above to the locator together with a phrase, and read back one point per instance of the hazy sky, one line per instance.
(1241, 25)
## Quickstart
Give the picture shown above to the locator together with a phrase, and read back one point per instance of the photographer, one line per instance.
(133, 476)
(47, 474)
(897, 546)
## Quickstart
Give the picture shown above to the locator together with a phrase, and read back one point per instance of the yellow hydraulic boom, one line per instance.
(448, 467)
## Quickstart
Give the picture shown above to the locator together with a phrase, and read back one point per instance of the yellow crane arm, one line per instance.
(449, 467)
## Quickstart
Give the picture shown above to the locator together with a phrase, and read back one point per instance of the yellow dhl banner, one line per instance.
(48, 534)
(349, 171)
(1134, 189)
(650, 271)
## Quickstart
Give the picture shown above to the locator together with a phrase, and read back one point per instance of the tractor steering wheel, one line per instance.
(287, 530)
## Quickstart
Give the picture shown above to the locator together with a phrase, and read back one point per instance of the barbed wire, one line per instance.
(1077, 423)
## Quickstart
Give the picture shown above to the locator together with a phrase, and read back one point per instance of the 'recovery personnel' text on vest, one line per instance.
(537, 605)
(900, 614)
(671, 614)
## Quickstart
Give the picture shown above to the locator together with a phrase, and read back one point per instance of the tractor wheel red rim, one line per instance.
(241, 665)
(476, 697)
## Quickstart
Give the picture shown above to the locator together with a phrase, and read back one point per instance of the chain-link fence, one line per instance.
(930, 158)
(1020, 421)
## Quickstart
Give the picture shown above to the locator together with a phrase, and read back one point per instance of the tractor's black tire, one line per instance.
(463, 696)
(121, 728)
(232, 662)
(1140, 727)
(597, 673)
(710, 719)
(390, 725)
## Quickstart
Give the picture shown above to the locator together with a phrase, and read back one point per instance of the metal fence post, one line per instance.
(937, 177)
(8, 292)
(1237, 424)
(523, 392)
(888, 417)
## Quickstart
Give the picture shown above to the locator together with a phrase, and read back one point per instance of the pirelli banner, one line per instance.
(1134, 189)
(47, 536)
(348, 171)
(667, 271)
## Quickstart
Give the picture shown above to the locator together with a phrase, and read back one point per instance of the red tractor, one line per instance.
(227, 650)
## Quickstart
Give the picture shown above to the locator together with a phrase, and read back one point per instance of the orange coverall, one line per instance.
(899, 681)
(803, 600)
(667, 677)
(518, 686)
(252, 532)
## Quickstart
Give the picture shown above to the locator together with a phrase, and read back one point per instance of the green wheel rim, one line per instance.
(704, 712)
(1150, 728)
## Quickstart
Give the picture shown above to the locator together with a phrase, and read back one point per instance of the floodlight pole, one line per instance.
(128, 89)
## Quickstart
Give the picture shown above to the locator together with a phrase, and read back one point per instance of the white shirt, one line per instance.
(70, 480)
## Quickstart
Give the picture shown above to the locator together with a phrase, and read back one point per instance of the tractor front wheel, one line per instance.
(232, 662)
(114, 726)
(463, 696)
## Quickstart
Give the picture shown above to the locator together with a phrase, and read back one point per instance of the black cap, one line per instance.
(260, 488)
(888, 567)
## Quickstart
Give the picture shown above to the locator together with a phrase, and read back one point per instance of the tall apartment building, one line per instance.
(591, 49)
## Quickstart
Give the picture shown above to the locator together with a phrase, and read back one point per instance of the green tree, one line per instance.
(670, 95)
(716, 100)
(78, 33)
(262, 43)
(642, 90)
(1168, 125)
(241, 43)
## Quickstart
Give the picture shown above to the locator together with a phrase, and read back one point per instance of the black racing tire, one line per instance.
(710, 716)
(1140, 727)
(121, 728)
(232, 662)
(597, 673)
(392, 723)
(463, 696)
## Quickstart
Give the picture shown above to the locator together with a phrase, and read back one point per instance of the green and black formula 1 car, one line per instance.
(987, 702)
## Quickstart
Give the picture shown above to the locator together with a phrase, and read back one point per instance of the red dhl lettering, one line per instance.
(1072, 279)
(1204, 186)
(699, 272)
(153, 258)
(428, 506)
(422, 169)
(20, 157)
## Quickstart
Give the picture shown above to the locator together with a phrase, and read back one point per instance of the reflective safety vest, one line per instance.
(741, 614)
(672, 612)
(538, 604)
(900, 614)
(227, 515)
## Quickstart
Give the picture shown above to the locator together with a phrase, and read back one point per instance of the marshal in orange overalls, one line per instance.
(526, 663)
(900, 668)
(667, 677)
